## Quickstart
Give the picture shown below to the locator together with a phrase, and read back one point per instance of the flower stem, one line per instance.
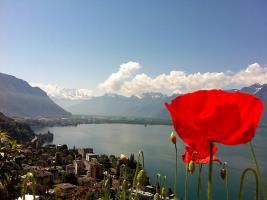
(143, 158)
(164, 186)
(158, 183)
(242, 183)
(227, 183)
(210, 173)
(176, 169)
(199, 187)
(258, 170)
(186, 181)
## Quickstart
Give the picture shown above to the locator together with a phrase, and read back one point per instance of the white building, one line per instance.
(89, 156)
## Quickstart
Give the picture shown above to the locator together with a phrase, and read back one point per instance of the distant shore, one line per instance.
(77, 120)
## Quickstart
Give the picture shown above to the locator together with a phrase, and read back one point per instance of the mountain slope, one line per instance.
(18, 98)
(18, 131)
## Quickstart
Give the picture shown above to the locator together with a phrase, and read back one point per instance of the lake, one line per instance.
(160, 154)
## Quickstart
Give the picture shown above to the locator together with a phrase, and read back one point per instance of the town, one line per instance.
(63, 173)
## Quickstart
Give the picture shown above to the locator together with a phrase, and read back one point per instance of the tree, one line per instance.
(9, 177)
(69, 178)
(104, 160)
(90, 196)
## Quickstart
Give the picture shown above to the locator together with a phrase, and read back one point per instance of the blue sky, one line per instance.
(81, 43)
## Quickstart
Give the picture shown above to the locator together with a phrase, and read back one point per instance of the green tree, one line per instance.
(69, 178)
(90, 196)
(9, 177)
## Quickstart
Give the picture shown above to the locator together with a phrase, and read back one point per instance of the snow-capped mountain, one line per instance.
(144, 105)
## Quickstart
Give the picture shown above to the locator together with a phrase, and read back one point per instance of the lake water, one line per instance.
(160, 154)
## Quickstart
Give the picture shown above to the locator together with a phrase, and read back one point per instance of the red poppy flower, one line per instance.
(199, 153)
(229, 118)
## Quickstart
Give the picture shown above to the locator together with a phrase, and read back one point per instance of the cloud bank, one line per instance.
(134, 83)
(116, 80)
(128, 80)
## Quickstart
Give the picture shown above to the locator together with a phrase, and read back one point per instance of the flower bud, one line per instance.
(163, 192)
(141, 177)
(223, 171)
(173, 138)
(191, 167)
(156, 197)
(29, 175)
(122, 157)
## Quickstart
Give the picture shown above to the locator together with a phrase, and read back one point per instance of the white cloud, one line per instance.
(116, 80)
(254, 73)
(64, 93)
(127, 82)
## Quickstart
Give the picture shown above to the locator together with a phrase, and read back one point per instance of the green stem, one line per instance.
(24, 188)
(210, 173)
(242, 183)
(262, 186)
(164, 193)
(176, 169)
(143, 158)
(199, 187)
(186, 181)
(34, 188)
(226, 183)
(136, 172)
(136, 197)
(158, 183)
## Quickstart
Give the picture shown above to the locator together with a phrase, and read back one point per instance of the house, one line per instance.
(78, 167)
(51, 146)
(89, 156)
(55, 173)
(95, 169)
(61, 147)
(44, 157)
(84, 151)
(66, 189)
(70, 169)
(43, 179)
(29, 197)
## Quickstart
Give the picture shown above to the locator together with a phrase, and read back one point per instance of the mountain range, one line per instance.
(18, 98)
(147, 105)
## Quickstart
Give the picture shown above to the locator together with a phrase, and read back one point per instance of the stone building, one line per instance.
(84, 151)
(78, 167)
(95, 169)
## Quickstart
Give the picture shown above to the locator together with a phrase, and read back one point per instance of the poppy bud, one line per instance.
(156, 197)
(29, 175)
(107, 183)
(173, 138)
(141, 177)
(163, 191)
(191, 167)
(122, 157)
(223, 171)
